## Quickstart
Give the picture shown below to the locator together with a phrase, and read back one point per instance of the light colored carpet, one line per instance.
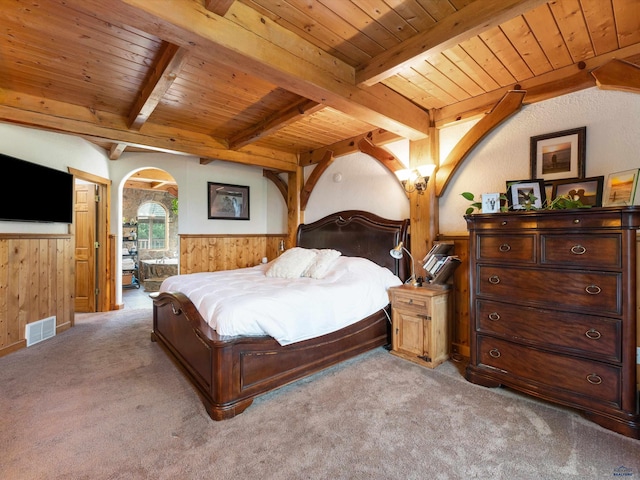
(101, 401)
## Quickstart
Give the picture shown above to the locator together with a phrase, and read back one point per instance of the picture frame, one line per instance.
(518, 192)
(490, 202)
(227, 201)
(587, 190)
(559, 155)
(620, 188)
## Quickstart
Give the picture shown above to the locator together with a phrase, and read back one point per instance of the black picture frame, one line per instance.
(519, 190)
(559, 155)
(587, 190)
(227, 201)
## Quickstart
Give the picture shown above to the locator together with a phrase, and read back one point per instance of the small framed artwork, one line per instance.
(620, 188)
(490, 202)
(526, 194)
(228, 202)
(559, 155)
(587, 190)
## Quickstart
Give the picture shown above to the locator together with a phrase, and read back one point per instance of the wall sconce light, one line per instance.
(397, 253)
(413, 179)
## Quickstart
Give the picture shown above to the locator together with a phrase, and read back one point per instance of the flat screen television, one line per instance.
(35, 193)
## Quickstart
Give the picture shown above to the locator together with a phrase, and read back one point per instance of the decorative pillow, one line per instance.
(291, 263)
(321, 264)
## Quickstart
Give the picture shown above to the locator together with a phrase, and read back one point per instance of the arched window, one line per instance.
(152, 227)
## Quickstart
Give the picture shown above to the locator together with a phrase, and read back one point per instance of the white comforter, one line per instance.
(247, 302)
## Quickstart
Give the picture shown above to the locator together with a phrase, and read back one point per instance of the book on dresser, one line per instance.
(553, 308)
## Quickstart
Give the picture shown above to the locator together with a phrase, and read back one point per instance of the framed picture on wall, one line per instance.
(228, 202)
(559, 155)
(620, 188)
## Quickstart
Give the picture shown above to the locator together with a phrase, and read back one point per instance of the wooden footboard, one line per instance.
(229, 372)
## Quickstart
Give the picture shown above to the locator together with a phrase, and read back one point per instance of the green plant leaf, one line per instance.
(468, 196)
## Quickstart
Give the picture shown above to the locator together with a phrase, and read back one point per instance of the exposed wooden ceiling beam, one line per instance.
(270, 125)
(116, 150)
(219, 7)
(385, 157)
(467, 22)
(317, 172)
(163, 74)
(57, 116)
(618, 75)
(258, 46)
(345, 147)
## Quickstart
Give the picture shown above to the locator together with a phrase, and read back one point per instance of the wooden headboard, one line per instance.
(356, 233)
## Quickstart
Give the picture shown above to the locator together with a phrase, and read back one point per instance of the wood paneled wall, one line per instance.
(210, 253)
(36, 282)
(460, 298)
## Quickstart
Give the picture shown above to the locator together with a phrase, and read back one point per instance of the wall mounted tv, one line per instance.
(35, 193)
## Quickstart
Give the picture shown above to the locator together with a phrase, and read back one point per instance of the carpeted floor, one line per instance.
(101, 401)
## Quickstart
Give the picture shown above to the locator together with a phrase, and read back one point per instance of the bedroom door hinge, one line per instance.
(97, 198)
(97, 292)
(96, 244)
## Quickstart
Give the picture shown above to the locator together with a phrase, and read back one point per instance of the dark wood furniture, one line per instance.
(228, 372)
(420, 329)
(553, 309)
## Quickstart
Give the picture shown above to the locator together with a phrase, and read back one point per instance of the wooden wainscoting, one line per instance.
(210, 253)
(36, 282)
(459, 333)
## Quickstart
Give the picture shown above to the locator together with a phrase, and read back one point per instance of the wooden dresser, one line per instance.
(553, 308)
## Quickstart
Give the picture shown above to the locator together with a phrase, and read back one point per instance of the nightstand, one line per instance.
(420, 330)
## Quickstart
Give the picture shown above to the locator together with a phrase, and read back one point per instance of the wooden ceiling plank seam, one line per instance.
(491, 64)
(471, 68)
(598, 16)
(451, 70)
(475, 18)
(161, 76)
(522, 38)
(289, 15)
(274, 123)
(362, 22)
(502, 48)
(573, 27)
(543, 25)
(413, 13)
(413, 92)
(627, 19)
(438, 10)
(384, 15)
(420, 76)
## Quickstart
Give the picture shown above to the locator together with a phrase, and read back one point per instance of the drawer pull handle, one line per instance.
(593, 334)
(494, 352)
(577, 220)
(505, 247)
(594, 379)
(504, 222)
(578, 250)
(593, 289)
(410, 301)
(424, 317)
(494, 279)
(495, 316)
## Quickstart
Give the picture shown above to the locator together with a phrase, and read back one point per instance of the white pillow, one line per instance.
(291, 263)
(320, 265)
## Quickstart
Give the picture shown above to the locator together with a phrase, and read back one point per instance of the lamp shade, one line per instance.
(396, 252)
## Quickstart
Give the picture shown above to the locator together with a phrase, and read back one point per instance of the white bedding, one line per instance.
(247, 302)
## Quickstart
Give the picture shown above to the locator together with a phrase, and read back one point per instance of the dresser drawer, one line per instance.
(582, 291)
(586, 335)
(599, 251)
(577, 377)
(506, 248)
(579, 220)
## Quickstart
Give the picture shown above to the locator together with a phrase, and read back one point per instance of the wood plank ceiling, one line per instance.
(276, 83)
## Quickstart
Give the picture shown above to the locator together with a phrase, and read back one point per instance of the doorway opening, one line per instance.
(150, 242)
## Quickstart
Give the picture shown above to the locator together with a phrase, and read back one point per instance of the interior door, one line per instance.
(85, 250)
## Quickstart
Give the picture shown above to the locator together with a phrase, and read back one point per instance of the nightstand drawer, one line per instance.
(412, 303)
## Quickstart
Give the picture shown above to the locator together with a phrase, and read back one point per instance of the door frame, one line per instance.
(103, 254)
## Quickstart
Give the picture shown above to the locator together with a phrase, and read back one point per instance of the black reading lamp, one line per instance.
(397, 253)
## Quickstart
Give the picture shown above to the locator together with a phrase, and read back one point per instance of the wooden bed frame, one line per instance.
(228, 372)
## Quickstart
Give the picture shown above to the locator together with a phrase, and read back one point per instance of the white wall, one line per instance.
(51, 150)
(613, 144)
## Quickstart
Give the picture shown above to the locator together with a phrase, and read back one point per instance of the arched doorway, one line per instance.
(150, 227)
